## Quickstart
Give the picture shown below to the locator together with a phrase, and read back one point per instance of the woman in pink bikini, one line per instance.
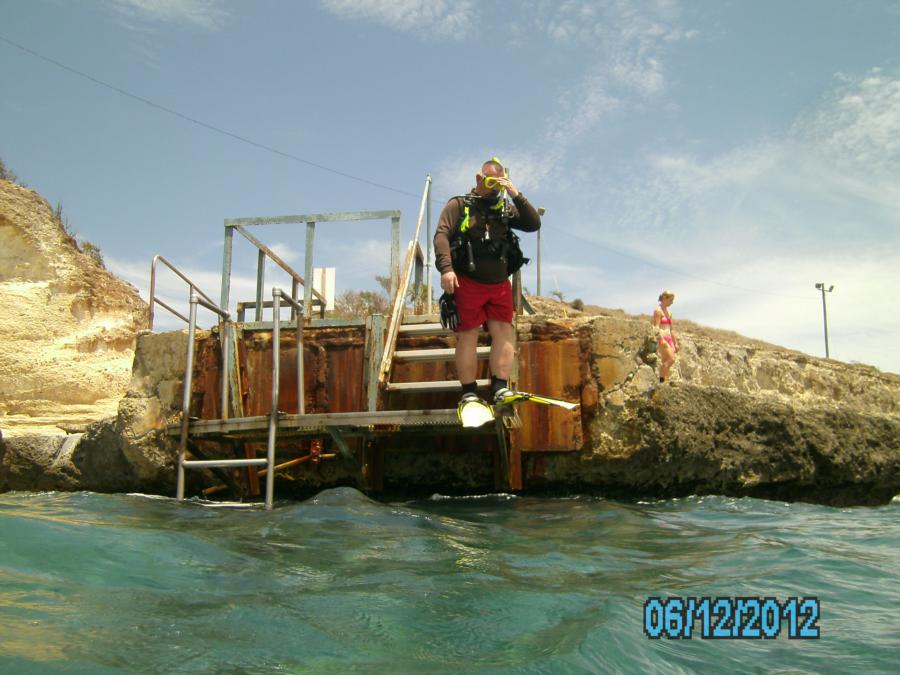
(666, 342)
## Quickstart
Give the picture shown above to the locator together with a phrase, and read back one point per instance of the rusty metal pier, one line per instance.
(294, 385)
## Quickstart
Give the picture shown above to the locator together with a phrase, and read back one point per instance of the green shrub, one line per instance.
(93, 251)
(6, 174)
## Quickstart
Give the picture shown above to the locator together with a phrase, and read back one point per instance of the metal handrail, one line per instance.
(311, 297)
(400, 297)
(296, 278)
(277, 296)
(156, 301)
(189, 375)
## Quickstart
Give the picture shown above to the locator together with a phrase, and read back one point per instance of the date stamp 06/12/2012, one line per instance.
(731, 618)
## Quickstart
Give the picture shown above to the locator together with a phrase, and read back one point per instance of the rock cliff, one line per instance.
(67, 326)
(741, 417)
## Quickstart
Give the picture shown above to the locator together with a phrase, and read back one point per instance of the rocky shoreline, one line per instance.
(84, 398)
(835, 442)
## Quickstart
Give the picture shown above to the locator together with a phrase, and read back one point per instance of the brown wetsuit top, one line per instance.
(488, 269)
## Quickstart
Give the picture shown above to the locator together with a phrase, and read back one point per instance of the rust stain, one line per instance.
(553, 369)
(552, 363)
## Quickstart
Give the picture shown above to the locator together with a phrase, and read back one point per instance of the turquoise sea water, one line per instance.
(116, 583)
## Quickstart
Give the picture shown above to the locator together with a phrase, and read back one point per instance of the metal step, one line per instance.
(424, 329)
(205, 463)
(427, 387)
(429, 329)
(420, 318)
(434, 354)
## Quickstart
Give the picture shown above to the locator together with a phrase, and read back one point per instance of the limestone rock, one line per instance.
(67, 328)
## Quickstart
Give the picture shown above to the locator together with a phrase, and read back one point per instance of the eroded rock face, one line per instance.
(688, 439)
(126, 453)
(741, 417)
(67, 328)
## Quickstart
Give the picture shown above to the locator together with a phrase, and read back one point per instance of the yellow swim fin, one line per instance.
(519, 396)
(474, 412)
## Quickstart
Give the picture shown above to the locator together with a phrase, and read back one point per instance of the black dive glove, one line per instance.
(449, 315)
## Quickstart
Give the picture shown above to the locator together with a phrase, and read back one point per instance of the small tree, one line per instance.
(94, 252)
(63, 222)
(6, 174)
(357, 304)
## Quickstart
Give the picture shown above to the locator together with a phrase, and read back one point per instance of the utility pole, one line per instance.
(821, 287)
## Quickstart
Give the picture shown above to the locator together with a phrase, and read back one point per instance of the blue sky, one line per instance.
(735, 152)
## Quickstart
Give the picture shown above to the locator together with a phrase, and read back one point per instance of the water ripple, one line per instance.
(110, 583)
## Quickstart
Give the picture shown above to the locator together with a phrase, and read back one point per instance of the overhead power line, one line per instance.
(343, 174)
(205, 125)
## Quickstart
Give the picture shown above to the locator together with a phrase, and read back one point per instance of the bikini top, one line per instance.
(667, 320)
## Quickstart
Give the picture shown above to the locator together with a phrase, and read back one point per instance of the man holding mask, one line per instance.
(476, 252)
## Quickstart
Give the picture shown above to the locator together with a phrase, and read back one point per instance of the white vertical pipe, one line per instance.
(273, 414)
(186, 397)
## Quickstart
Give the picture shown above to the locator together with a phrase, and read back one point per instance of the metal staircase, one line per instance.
(415, 327)
(390, 341)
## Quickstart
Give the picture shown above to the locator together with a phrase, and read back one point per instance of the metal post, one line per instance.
(395, 257)
(538, 263)
(186, 396)
(226, 267)
(428, 243)
(821, 286)
(375, 354)
(308, 270)
(273, 413)
(152, 289)
(260, 283)
(226, 344)
(301, 383)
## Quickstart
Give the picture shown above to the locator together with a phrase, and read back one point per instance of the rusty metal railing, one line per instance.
(277, 296)
(183, 462)
(414, 258)
(156, 301)
(310, 295)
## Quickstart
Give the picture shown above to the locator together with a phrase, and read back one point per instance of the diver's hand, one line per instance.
(508, 185)
(449, 282)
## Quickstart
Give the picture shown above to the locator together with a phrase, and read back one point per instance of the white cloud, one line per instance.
(285, 252)
(625, 47)
(206, 14)
(753, 229)
(621, 53)
(451, 19)
(860, 129)
(580, 109)
(832, 181)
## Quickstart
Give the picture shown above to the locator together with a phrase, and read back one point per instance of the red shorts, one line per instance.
(478, 302)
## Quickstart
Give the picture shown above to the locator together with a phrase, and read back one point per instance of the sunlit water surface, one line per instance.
(114, 583)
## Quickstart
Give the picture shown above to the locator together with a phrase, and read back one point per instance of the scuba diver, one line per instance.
(476, 251)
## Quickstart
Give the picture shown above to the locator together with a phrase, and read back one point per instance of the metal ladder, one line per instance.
(423, 329)
(226, 335)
